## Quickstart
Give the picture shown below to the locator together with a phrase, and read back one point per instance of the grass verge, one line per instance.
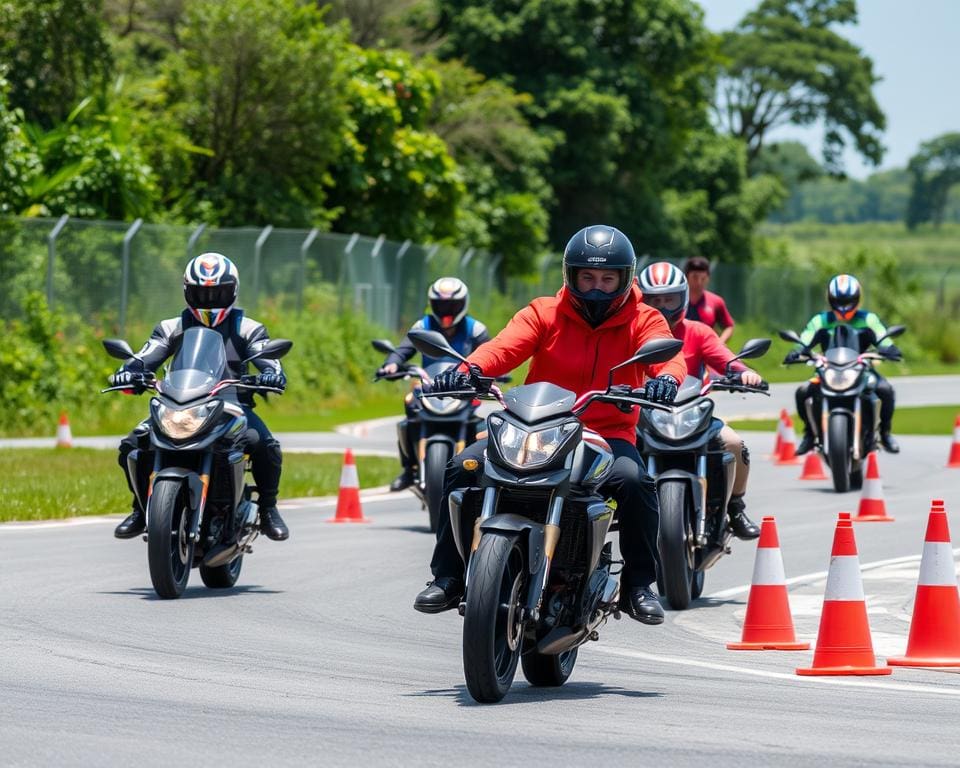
(916, 420)
(49, 483)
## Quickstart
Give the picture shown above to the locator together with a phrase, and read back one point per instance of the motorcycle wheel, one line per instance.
(222, 576)
(548, 671)
(696, 585)
(677, 572)
(839, 451)
(434, 467)
(169, 549)
(492, 629)
(856, 477)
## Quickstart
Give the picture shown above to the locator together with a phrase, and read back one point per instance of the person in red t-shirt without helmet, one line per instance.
(706, 306)
(573, 339)
(665, 288)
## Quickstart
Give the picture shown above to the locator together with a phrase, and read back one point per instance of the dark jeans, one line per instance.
(266, 458)
(629, 484)
(809, 389)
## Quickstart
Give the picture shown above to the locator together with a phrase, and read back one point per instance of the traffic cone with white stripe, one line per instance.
(872, 508)
(768, 625)
(844, 645)
(778, 445)
(348, 499)
(64, 436)
(954, 460)
(788, 446)
(935, 627)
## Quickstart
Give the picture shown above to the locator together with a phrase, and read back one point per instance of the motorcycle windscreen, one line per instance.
(198, 365)
(844, 336)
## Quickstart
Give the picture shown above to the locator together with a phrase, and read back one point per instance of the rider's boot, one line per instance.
(441, 594)
(272, 525)
(806, 443)
(641, 604)
(741, 525)
(132, 525)
(889, 443)
(403, 480)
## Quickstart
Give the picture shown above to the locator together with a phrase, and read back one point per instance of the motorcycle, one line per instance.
(694, 478)
(849, 422)
(539, 579)
(447, 425)
(200, 512)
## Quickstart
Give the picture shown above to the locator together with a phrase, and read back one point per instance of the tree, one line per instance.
(785, 63)
(56, 53)
(934, 169)
(789, 161)
(261, 84)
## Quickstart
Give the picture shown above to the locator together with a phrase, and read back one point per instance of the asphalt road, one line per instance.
(318, 658)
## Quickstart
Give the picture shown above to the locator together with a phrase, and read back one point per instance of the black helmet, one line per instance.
(599, 247)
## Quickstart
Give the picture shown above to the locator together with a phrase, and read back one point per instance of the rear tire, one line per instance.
(839, 451)
(222, 576)
(677, 572)
(492, 633)
(169, 550)
(548, 671)
(434, 468)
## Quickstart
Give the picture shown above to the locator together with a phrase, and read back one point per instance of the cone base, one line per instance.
(813, 671)
(771, 646)
(873, 519)
(919, 661)
(349, 520)
(814, 477)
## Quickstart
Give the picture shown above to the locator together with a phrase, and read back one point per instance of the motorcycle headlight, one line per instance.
(181, 423)
(521, 448)
(442, 406)
(839, 379)
(676, 425)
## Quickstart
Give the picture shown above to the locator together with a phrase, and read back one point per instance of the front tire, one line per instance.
(839, 451)
(169, 549)
(222, 576)
(677, 573)
(492, 630)
(548, 671)
(434, 468)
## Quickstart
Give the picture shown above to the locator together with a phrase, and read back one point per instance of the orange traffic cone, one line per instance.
(778, 445)
(954, 460)
(348, 499)
(768, 625)
(872, 508)
(844, 646)
(64, 436)
(813, 467)
(788, 446)
(935, 626)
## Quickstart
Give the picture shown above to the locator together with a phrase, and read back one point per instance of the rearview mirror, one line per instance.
(117, 348)
(433, 344)
(656, 351)
(272, 350)
(384, 346)
(893, 331)
(753, 348)
(790, 336)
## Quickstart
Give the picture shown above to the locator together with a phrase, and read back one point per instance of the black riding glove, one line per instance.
(272, 379)
(891, 352)
(793, 356)
(662, 389)
(455, 380)
(137, 381)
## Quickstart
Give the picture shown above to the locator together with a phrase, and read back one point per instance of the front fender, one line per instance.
(698, 492)
(532, 531)
(180, 475)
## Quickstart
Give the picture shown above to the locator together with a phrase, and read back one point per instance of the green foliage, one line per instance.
(935, 169)
(789, 161)
(882, 196)
(261, 85)
(57, 53)
(786, 63)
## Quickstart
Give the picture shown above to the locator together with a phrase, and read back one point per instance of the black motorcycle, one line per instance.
(849, 422)
(533, 533)
(694, 477)
(447, 425)
(200, 512)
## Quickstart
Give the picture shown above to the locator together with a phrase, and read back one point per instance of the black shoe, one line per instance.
(642, 604)
(404, 480)
(272, 525)
(441, 595)
(132, 525)
(742, 526)
(890, 445)
(806, 443)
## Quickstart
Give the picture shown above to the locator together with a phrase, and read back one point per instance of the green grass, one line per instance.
(918, 420)
(43, 484)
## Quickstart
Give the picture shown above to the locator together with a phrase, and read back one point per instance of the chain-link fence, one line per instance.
(116, 272)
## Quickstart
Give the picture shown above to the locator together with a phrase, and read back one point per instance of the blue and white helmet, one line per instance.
(843, 293)
(210, 286)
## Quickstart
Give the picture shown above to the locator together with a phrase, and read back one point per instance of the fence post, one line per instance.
(257, 249)
(492, 270)
(192, 240)
(52, 255)
(304, 247)
(344, 273)
(465, 259)
(404, 247)
(125, 273)
(545, 262)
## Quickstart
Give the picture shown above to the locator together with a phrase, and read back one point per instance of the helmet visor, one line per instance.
(666, 301)
(446, 307)
(210, 296)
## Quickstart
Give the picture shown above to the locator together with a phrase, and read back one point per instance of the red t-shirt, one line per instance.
(710, 310)
(702, 348)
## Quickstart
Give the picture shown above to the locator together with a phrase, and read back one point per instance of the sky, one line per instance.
(915, 50)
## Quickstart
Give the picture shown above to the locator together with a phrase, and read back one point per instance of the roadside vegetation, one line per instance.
(910, 420)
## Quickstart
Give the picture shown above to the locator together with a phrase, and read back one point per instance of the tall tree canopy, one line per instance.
(786, 63)
(934, 170)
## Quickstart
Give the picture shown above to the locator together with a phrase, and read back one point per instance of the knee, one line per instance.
(273, 452)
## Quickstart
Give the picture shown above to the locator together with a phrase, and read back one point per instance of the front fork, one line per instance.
(700, 533)
(205, 464)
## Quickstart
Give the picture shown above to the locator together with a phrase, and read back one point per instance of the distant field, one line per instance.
(919, 420)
